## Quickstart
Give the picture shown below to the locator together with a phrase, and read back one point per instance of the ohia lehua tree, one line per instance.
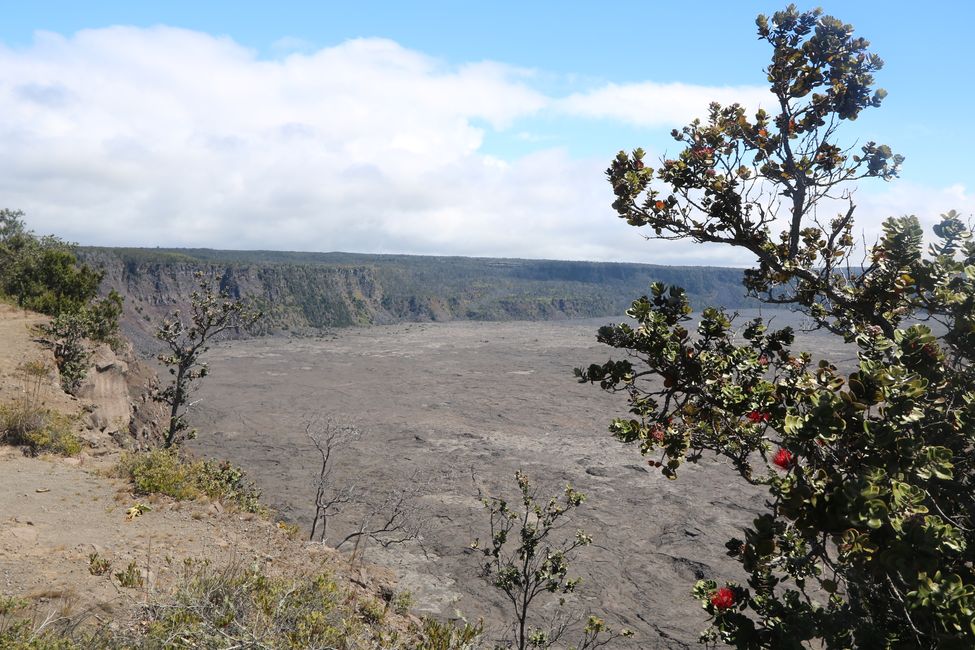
(867, 539)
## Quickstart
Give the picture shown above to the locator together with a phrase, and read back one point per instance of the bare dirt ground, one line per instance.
(495, 397)
(55, 512)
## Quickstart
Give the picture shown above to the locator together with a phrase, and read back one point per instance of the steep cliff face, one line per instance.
(305, 292)
(291, 298)
(118, 389)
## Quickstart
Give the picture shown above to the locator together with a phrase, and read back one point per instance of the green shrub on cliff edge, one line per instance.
(42, 274)
(40, 431)
(164, 471)
(868, 539)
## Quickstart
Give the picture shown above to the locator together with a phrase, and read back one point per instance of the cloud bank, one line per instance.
(169, 137)
(653, 104)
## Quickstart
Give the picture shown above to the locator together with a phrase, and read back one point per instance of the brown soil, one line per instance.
(55, 512)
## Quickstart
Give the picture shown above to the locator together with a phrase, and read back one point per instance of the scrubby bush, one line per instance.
(165, 471)
(131, 577)
(98, 565)
(435, 635)
(40, 432)
(239, 607)
(160, 471)
(19, 629)
(402, 602)
(527, 559)
(227, 482)
(26, 422)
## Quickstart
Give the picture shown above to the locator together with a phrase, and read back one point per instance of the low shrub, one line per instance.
(372, 611)
(97, 565)
(20, 629)
(434, 635)
(403, 602)
(224, 607)
(239, 606)
(131, 577)
(160, 471)
(227, 482)
(38, 430)
(165, 471)
(25, 422)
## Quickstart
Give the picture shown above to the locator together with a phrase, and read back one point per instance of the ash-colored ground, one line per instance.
(495, 397)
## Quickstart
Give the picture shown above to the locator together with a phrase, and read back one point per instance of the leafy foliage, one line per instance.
(67, 332)
(213, 313)
(868, 538)
(164, 471)
(43, 274)
(528, 557)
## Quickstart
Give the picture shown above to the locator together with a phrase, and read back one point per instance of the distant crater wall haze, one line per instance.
(307, 292)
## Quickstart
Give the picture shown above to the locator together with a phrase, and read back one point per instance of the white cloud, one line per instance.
(657, 104)
(875, 204)
(170, 137)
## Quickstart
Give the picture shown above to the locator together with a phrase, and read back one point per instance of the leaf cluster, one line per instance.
(737, 178)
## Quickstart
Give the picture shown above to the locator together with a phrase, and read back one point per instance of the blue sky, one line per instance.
(499, 163)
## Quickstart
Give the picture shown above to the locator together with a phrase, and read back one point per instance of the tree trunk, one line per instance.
(174, 408)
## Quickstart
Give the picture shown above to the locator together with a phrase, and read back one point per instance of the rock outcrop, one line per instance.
(117, 393)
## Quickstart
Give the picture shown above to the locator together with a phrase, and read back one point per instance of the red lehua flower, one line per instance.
(657, 433)
(723, 598)
(660, 205)
(784, 458)
(763, 360)
(758, 416)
